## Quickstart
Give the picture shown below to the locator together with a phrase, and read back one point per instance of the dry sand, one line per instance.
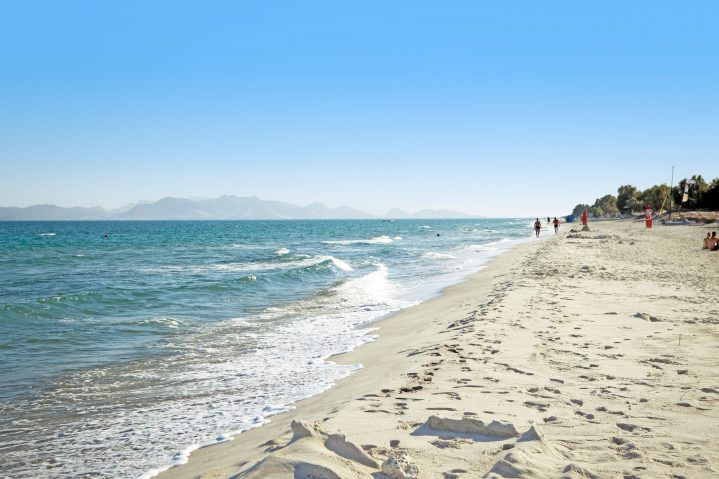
(588, 355)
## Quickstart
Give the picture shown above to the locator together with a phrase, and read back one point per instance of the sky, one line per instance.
(492, 108)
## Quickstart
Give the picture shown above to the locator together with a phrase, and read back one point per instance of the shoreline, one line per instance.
(503, 247)
(594, 350)
(354, 357)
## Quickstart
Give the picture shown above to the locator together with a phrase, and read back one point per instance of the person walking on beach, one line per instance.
(537, 227)
(556, 225)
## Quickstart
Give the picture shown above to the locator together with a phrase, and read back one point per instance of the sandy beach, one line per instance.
(587, 355)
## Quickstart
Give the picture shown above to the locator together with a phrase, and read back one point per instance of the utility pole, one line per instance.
(671, 194)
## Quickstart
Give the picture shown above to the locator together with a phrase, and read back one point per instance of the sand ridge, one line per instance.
(590, 355)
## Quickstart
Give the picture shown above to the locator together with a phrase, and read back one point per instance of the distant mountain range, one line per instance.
(225, 207)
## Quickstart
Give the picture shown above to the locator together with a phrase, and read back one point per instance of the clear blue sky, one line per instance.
(494, 108)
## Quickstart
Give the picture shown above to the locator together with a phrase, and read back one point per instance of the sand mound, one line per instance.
(342, 447)
(400, 467)
(531, 464)
(535, 457)
(472, 426)
(532, 434)
(312, 453)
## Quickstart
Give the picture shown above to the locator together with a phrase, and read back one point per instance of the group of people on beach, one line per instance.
(538, 225)
(711, 242)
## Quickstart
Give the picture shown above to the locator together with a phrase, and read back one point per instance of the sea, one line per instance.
(126, 345)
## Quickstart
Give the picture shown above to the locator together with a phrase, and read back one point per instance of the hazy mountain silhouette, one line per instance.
(225, 207)
(230, 207)
(396, 213)
(51, 212)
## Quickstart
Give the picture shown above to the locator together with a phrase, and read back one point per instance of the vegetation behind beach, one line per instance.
(630, 199)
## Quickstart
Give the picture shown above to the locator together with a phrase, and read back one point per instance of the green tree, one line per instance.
(635, 205)
(657, 197)
(577, 211)
(711, 197)
(628, 199)
(605, 206)
(697, 191)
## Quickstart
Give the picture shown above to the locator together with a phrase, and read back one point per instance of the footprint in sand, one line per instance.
(631, 427)
(410, 389)
(537, 405)
(587, 416)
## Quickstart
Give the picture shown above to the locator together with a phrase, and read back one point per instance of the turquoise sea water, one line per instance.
(123, 345)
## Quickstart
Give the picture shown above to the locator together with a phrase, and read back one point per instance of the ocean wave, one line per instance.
(492, 246)
(288, 265)
(357, 296)
(480, 247)
(47, 234)
(427, 227)
(303, 261)
(244, 246)
(438, 255)
(160, 321)
(371, 289)
(282, 252)
(376, 240)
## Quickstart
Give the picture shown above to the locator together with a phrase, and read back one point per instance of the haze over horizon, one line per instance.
(491, 110)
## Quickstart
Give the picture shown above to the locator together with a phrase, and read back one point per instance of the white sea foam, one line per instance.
(491, 246)
(339, 263)
(161, 321)
(438, 255)
(273, 409)
(48, 234)
(377, 240)
(304, 262)
(427, 227)
(397, 238)
(282, 252)
(293, 352)
(371, 289)
(245, 246)
(480, 247)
